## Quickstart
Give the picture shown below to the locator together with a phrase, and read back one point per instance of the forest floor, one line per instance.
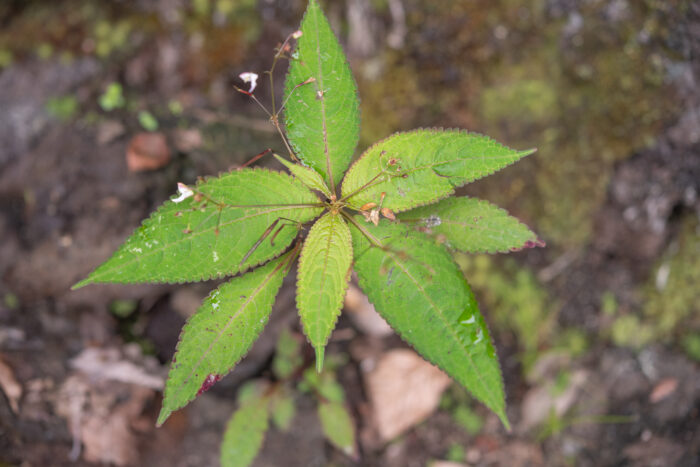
(598, 334)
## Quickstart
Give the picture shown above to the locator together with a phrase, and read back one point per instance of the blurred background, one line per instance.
(104, 106)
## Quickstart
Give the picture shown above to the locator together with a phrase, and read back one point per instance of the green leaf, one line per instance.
(288, 356)
(321, 117)
(338, 426)
(221, 333)
(283, 410)
(306, 175)
(324, 270)
(423, 166)
(472, 225)
(417, 288)
(210, 237)
(148, 121)
(245, 433)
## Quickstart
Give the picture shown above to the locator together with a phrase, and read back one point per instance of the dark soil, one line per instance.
(67, 200)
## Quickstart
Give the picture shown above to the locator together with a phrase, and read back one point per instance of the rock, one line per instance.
(403, 390)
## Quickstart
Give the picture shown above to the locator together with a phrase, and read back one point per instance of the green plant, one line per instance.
(390, 219)
(265, 401)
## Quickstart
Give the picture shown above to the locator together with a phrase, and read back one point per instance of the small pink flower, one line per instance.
(297, 34)
(184, 191)
(249, 77)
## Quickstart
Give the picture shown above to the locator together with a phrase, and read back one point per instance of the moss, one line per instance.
(62, 108)
(672, 304)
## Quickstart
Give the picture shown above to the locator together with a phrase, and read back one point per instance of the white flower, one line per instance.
(249, 77)
(297, 34)
(184, 191)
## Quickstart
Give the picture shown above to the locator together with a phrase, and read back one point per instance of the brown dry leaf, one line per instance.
(10, 386)
(103, 417)
(403, 389)
(147, 151)
(541, 400)
(110, 364)
(663, 389)
(363, 314)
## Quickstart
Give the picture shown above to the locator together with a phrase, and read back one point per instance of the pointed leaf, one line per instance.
(417, 288)
(338, 426)
(321, 117)
(283, 409)
(422, 166)
(288, 357)
(245, 433)
(324, 270)
(472, 225)
(306, 175)
(221, 333)
(209, 235)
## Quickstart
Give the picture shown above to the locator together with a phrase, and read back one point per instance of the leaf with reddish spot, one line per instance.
(221, 333)
(208, 383)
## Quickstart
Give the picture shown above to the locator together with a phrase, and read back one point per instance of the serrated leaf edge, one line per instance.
(537, 241)
(357, 96)
(89, 280)
(502, 416)
(436, 130)
(267, 278)
(336, 313)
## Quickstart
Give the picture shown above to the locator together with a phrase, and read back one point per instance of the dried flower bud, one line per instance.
(388, 213)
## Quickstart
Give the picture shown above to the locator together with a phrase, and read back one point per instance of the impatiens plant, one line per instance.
(388, 216)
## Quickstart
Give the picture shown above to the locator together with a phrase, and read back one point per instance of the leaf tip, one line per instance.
(163, 416)
(504, 419)
(527, 152)
(81, 284)
(319, 358)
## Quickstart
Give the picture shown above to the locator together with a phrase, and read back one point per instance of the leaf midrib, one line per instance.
(216, 339)
(139, 257)
(326, 150)
(445, 322)
(429, 166)
(323, 280)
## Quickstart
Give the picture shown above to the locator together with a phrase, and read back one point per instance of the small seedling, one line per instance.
(390, 219)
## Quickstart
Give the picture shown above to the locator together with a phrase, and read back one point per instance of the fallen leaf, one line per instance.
(109, 364)
(10, 386)
(147, 151)
(363, 314)
(663, 389)
(540, 401)
(403, 389)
